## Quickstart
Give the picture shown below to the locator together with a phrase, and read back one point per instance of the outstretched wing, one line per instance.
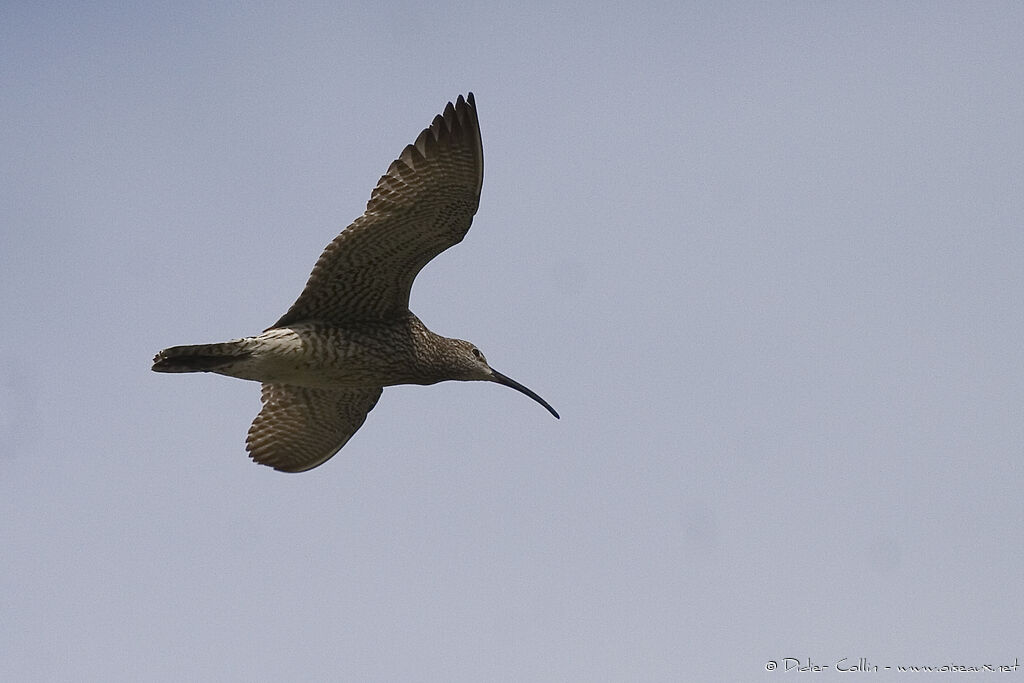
(424, 204)
(300, 428)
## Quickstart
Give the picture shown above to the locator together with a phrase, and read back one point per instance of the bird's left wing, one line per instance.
(300, 428)
(424, 204)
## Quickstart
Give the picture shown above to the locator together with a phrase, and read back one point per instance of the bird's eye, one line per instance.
(479, 356)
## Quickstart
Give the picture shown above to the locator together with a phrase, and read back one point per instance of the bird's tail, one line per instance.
(201, 357)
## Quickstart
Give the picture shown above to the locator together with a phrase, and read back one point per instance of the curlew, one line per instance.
(350, 333)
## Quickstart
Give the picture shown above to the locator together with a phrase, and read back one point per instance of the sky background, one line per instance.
(766, 260)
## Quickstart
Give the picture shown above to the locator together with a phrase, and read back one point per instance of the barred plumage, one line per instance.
(350, 333)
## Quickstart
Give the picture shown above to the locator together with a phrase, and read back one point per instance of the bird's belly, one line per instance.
(318, 356)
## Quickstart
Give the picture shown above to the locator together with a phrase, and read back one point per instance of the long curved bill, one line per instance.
(509, 382)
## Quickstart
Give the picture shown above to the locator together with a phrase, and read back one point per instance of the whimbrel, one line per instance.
(350, 333)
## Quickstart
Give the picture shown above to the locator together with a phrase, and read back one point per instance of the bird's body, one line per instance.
(324, 364)
(318, 355)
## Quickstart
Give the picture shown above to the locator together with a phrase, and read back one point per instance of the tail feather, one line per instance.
(200, 357)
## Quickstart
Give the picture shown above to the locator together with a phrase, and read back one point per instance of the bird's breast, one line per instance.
(320, 355)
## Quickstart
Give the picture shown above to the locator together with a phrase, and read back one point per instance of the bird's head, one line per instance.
(470, 364)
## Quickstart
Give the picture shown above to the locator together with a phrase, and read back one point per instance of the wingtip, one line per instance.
(464, 108)
(470, 118)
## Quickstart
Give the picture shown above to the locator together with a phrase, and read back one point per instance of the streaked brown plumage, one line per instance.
(350, 333)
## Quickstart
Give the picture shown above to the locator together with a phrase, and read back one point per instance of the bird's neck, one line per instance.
(428, 353)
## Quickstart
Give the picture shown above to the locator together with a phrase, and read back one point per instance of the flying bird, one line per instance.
(350, 333)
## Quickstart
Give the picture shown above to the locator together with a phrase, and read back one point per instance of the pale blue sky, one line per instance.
(766, 260)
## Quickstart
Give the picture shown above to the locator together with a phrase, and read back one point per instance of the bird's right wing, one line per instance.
(300, 428)
(424, 204)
